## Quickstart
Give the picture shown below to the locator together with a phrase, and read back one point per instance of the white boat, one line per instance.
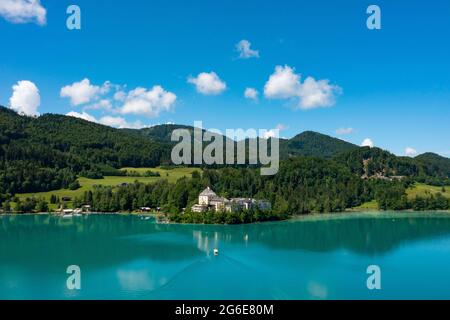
(216, 252)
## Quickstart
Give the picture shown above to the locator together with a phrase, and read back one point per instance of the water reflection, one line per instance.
(126, 257)
(364, 235)
(112, 239)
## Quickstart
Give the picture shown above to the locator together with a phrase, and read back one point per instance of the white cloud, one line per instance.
(344, 131)
(367, 143)
(120, 122)
(208, 83)
(117, 122)
(251, 93)
(106, 87)
(148, 102)
(83, 115)
(82, 92)
(245, 51)
(113, 98)
(25, 98)
(120, 96)
(314, 94)
(103, 104)
(284, 83)
(274, 133)
(410, 152)
(23, 11)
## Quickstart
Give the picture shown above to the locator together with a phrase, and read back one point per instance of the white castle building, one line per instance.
(209, 200)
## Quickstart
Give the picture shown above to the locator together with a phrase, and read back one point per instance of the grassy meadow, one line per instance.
(172, 175)
(367, 206)
(418, 189)
(423, 190)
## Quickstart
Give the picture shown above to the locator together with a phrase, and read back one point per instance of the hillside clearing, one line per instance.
(370, 205)
(418, 189)
(423, 190)
(172, 175)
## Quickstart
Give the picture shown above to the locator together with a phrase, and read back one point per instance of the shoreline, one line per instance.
(401, 214)
(372, 214)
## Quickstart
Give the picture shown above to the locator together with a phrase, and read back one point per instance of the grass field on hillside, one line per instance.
(419, 189)
(424, 190)
(172, 175)
(86, 184)
(371, 205)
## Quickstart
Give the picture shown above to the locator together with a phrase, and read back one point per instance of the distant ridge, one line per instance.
(308, 143)
(434, 162)
(163, 133)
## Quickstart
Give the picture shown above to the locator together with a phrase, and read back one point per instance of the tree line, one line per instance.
(303, 185)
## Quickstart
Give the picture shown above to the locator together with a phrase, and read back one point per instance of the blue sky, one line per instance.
(390, 85)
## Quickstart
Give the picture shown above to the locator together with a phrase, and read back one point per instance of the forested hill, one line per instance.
(80, 139)
(363, 161)
(163, 133)
(434, 163)
(47, 152)
(50, 151)
(308, 143)
(374, 162)
(311, 143)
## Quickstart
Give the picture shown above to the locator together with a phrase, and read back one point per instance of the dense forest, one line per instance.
(303, 185)
(317, 174)
(428, 168)
(49, 152)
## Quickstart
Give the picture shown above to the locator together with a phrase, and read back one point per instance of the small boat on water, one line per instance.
(216, 252)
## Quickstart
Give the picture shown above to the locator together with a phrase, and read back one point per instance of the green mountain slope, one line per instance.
(163, 133)
(308, 143)
(434, 164)
(50, 151)
(374, 162)
(311, 143)
(44, 153)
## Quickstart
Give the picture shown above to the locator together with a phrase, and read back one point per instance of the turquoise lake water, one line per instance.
(127, 257)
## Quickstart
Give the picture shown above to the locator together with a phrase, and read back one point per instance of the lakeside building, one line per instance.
(208, 200)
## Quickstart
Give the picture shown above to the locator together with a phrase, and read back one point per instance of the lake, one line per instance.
(128, 257)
